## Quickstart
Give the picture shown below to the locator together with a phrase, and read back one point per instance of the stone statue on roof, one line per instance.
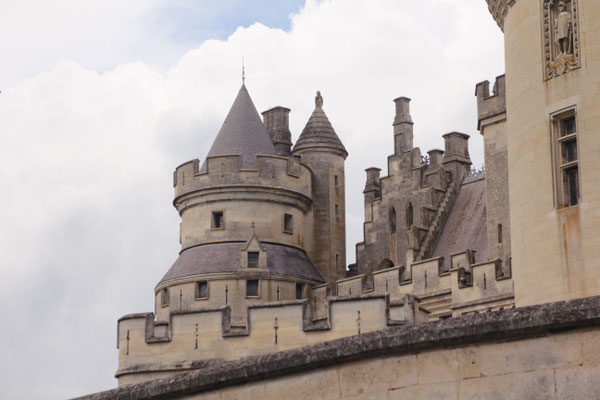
(318, 100)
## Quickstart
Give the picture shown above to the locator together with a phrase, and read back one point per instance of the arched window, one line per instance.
(409, 215)
(393, 220)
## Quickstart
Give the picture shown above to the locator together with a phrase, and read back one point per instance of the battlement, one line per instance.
(393, 296)
(489, 106)
(283, 175)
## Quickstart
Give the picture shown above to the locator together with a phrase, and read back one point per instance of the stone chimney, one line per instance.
(373, 186)
(456, 155)
(436, 157)
(403, 126)
(277, 124)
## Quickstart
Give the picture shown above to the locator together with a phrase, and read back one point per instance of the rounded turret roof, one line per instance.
(243, 132)
(318, 134)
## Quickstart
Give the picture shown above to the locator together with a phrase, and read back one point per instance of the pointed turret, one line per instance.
(242, 133)
(322, 151)
(318, 134)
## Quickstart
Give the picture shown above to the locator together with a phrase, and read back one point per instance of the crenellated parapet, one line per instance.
(225, 178)
(425, 290)
(490, 105)
(149, 349)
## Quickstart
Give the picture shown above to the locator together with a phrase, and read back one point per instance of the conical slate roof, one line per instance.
(242, 132)
(318, 134)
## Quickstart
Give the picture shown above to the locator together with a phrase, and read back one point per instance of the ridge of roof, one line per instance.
(242, 132)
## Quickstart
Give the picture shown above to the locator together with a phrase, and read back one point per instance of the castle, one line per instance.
(260, 289)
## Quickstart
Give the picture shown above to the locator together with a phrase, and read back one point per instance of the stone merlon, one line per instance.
(489, 106)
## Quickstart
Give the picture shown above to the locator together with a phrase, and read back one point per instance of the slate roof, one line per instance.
(318, 133)
(242, 133)
(216, 258)
(466, 226)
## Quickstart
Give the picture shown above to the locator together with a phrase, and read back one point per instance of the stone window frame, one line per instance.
(552, 70)
(253, 296)
(288, 223)
(562, 168)
(213, 220)
(252, 262)
(164, 297)
(300, 290)
(197, 290)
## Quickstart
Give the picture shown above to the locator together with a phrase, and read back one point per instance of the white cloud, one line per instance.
(86, 158)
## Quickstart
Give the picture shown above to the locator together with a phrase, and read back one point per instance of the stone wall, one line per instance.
(214, 329)
(544, 352)
(555, 246)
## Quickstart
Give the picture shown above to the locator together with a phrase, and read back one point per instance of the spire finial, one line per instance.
(243, 72)
(318, 100)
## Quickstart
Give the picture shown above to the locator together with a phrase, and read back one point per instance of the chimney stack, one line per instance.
(277, 124)
(403, 126)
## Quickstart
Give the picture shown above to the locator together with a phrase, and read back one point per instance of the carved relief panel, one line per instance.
(561, 37)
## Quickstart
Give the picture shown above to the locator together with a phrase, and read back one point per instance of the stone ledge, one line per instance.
(505, 325)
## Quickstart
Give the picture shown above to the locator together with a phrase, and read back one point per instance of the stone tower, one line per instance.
(553, 120)
(322, 151)
(243, 214)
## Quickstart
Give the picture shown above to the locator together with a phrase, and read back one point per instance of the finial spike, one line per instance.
(243, 72)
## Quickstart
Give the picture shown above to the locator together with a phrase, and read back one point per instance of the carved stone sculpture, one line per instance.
(563, 29)
(561, 37)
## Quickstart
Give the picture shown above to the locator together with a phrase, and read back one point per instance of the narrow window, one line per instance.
(337, 260)
(202, 290)
(299, 290)
(499, 233)
(393, 220)
(252, 287)
(288, 223)
(335, 180)
(409, 215)
(566, 157)
(217, 220)
(164, 297)
(337, 210)
(253, 259)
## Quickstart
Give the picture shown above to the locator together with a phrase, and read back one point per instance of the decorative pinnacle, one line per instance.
(318, 100)
(243, 72)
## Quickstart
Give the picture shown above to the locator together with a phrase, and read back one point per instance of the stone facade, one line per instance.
(554, 224)
(260, 290)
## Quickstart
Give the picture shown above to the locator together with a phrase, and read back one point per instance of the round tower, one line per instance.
(243, 213)
(552, 53)
(322, 151)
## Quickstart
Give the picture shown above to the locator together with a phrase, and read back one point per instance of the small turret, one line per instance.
(323, 152)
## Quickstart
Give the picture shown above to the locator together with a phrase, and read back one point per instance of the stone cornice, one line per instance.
(499, 9)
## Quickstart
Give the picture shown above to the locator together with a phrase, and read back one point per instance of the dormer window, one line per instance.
(253, 259)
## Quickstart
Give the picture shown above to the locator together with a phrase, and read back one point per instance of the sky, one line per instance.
(101, 100)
